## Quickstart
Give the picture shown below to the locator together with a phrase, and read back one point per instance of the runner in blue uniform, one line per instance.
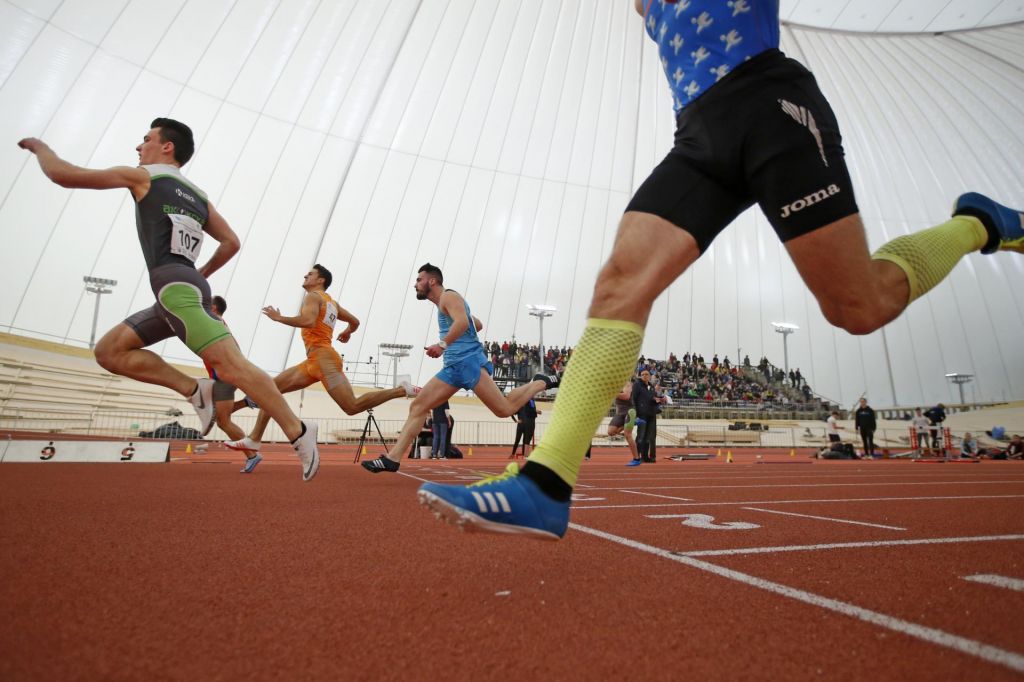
(465, 366)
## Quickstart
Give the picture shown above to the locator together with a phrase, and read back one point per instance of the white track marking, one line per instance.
(986, 652)
(851, 545)
(853, 499)
(824, 518)
(402, 473)
(997, 580)
(667, 497)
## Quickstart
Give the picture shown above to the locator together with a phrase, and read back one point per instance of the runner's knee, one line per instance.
(856, 318)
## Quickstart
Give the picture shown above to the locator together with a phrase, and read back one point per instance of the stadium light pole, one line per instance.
(98, 286)
(785, 328)
(540, 312)
(960, 380)
(395, 351)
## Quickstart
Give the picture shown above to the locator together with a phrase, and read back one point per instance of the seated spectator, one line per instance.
(969, 447)
(1015, 450)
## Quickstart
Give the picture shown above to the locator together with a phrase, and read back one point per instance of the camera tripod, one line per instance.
(370, 419)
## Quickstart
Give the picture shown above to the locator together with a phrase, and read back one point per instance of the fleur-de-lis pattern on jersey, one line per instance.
(701, 41)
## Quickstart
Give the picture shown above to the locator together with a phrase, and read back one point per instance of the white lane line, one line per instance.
(849, 545)
(813, 485)
(986, 652)
(402, 473)
(852, 499)
(667, 497)
(824, 518)
(997, 580)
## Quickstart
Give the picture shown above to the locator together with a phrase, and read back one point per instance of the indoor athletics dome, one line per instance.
(500, 140)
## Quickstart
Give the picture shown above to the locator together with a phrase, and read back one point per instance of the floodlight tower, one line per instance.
(960, 380)
(395, 351)
(98, 286)
(785, 328)
(540, 312)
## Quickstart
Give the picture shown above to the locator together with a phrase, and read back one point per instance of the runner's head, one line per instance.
(428, 277)
(318, 277)
(219, 305)
(168, 141)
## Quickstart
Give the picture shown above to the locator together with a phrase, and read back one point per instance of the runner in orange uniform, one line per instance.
(316, 319)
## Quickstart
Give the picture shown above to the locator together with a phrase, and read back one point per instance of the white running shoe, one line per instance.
(202, 400)
(244, 444)
(309, 454)
(405, 381)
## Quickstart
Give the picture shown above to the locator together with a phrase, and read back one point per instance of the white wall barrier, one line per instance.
(84, 451)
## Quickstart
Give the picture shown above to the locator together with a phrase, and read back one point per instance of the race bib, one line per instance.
(186, 236)
(331, 315)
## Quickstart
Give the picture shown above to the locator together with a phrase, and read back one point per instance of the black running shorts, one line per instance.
(763, 134)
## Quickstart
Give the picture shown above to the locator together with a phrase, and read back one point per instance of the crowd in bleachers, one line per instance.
(689, 379)
(523, 360)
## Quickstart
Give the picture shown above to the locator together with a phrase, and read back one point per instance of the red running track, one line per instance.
(698, 570)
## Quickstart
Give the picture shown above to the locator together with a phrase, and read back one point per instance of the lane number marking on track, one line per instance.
(583, 497)
(705, 521)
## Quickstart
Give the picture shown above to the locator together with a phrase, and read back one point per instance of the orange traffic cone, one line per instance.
(188, 449)
(728, 457)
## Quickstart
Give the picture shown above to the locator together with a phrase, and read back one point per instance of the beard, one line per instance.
(421, 295)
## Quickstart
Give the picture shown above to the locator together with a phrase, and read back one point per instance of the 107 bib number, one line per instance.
(186, 236)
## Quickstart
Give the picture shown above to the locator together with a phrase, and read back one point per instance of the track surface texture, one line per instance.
(777, 568)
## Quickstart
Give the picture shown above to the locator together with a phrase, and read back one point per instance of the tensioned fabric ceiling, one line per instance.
(901, 16)
(500, 140)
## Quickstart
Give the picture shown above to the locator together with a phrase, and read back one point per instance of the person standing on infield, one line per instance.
(752, 126)
(172, 217)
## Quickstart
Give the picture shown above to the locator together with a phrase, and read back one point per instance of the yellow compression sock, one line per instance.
(929, 255)
(601, 363)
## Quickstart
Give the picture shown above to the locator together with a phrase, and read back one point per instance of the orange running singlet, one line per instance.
(322, 332)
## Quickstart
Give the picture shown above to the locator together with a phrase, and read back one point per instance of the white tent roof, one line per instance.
(500, 141)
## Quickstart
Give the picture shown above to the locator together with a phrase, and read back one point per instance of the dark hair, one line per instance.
(432, 271)
(325, 274)
(178, 134)
(220, 306)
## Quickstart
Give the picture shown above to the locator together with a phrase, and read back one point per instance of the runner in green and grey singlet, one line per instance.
(170, 221)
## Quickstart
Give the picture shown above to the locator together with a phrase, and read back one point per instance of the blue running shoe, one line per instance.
(251, 462)
(1005, 226)
(508, 503)
(633, 463)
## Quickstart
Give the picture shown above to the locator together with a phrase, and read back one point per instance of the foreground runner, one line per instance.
(752, 126)
(173, 216)
(316, 319)
(465, 366)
